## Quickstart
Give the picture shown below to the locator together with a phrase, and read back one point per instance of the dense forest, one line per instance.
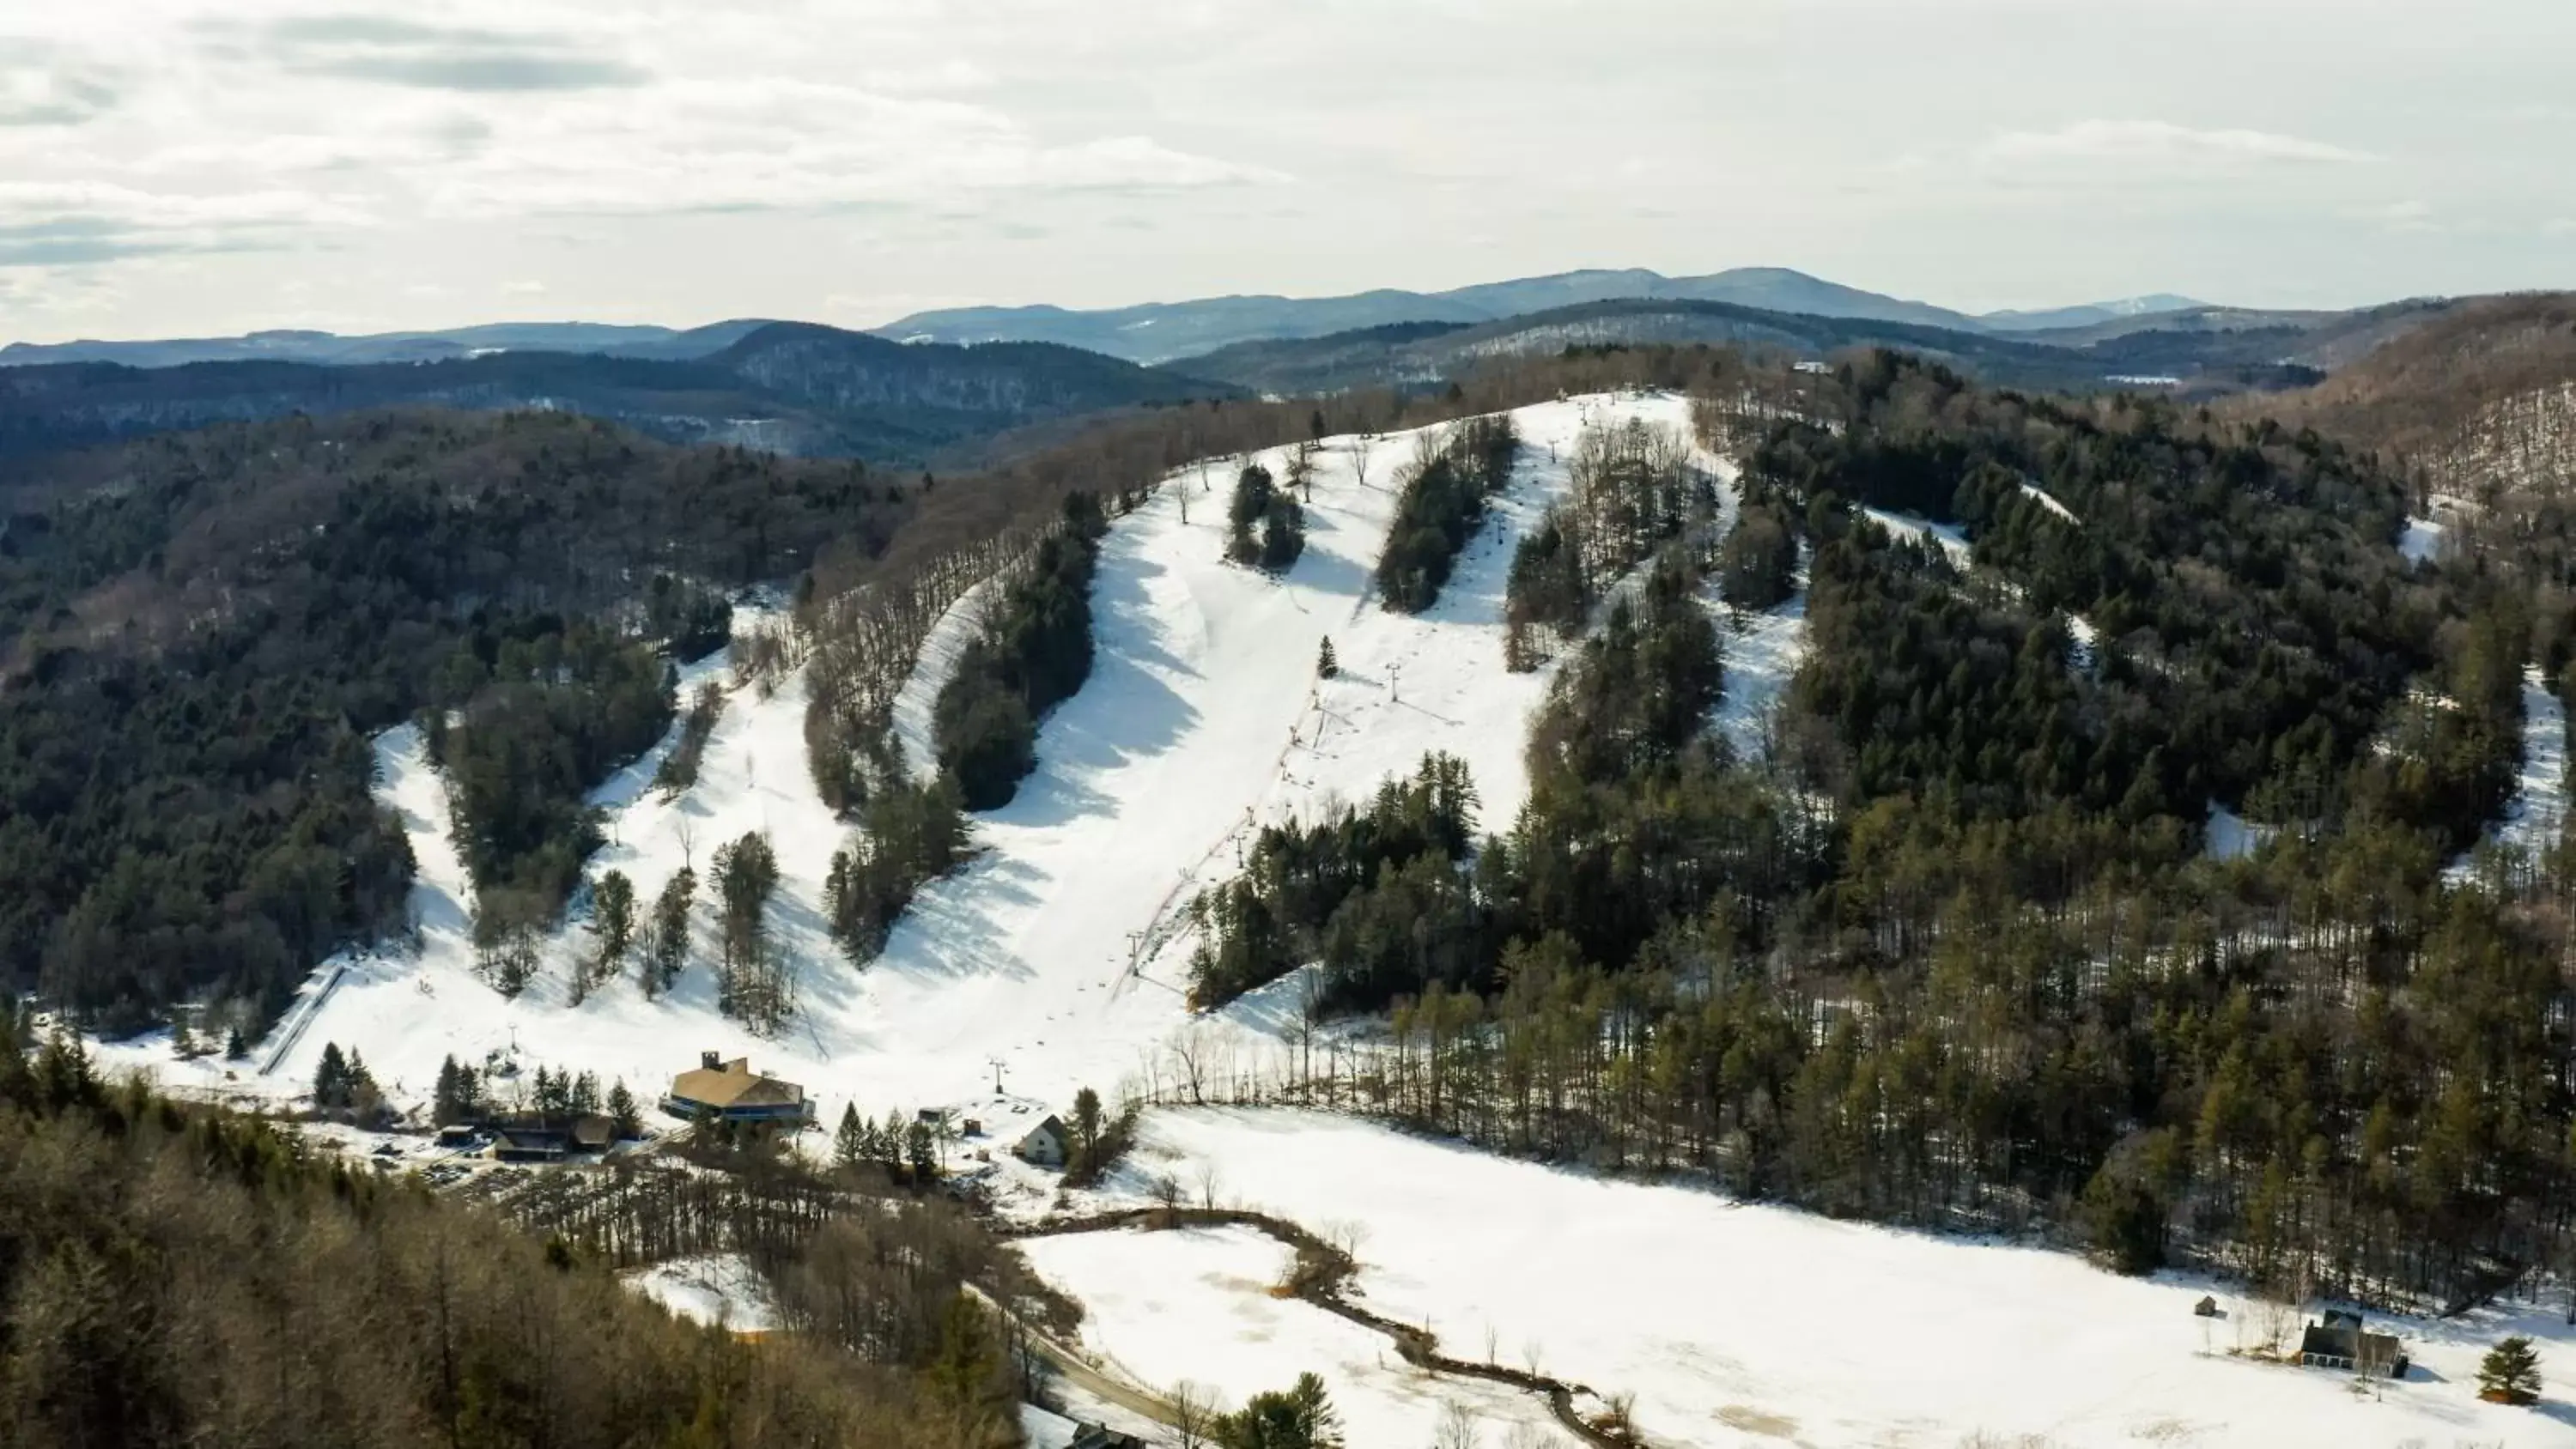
(200, 632)
(1954, 954)
(1438, 507)
(178, 1276)
(1032, 652)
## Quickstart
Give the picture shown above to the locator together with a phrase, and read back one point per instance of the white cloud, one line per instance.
(523, 288)
(58, 223)
(731, 146)
(2161, 143)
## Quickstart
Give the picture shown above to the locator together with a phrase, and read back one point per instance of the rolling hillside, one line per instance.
(791, 388)
(1164, 331)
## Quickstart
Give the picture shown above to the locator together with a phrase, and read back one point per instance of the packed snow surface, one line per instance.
(2049, 501)
(1738, 1324)
(1920, 530)
(2532, 818)
(717, 1288)
(916, 702)
(1058, 953)
(1195, 1306)
(1762, 652)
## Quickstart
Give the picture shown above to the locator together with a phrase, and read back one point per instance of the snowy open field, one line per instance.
(1195, 1306)
(1202, 719)
(1737, 1324)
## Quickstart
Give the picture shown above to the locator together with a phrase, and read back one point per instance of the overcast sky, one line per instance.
(176, 168)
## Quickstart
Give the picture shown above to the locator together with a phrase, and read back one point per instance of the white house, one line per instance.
(1044, 1144)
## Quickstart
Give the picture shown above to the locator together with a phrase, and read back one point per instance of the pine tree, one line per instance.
(670, 931)
(234, 1046)
(331, 1078)
(921, 1150)
(1326, 666)
(624, 1118)
(2510, 1373)
(1086, 1127)
(585, 1095)
(850, 1144)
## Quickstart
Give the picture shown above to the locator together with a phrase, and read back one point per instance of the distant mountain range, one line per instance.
(2202, 352)
(788, 387)
(1168, 331)
(454, 344)
(1152, 333)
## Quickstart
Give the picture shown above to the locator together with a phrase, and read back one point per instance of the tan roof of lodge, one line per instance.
(735, 1084)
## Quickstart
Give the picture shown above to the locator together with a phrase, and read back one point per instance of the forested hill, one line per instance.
(787, 387)
(2209, 361)
(199, 632)
(2255, 621)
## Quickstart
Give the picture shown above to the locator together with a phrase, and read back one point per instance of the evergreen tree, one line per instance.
(921, 1150)
(1086, 1126)
(1326, 666)
(2510, 1373)
(671, 930)
(625, 1119)
(850, 1144)
(1300, 1418)
(331, 1079)
(613, 921)
(967, 1372)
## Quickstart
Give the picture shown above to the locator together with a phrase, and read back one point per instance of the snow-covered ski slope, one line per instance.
(1057, 951)
(2533, 817)
(1739, 1324)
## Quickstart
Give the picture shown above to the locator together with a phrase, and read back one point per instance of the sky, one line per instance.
(174, 168)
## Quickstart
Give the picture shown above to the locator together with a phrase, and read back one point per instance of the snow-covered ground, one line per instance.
(2085, 653)
(916, 702)
(1738, 1324)
(2049, 501)
(2533, 817)
(1056, 953)
(2420, 541)
(2230, 836)
(1761, 656)
(717, 1288)
(1195, 1306)
(1919, 530)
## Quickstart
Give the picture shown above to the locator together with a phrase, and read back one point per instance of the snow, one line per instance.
(1918, 530)
(1046, 1429)
(721, 1289)
(916, 702)
(2531, 819)
(2231, 836)
(1195, 1306)
(1058, 952)
(2049, 502)
(2420, 541)
(2085, 652)
(1762, 653)
(1736, 1322)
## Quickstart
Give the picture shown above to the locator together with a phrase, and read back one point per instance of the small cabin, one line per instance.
(2208, 1307)
(1044, 1144)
